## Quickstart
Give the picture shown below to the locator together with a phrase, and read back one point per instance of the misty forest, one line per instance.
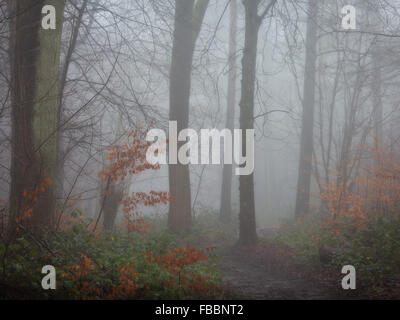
(301, 199)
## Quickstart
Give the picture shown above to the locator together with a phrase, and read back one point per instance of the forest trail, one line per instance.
(269, 273)
(249, 275)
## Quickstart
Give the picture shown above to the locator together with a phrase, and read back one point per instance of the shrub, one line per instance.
(107, 266)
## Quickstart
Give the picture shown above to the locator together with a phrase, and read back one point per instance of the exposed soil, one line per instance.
(249, 276)
(270, 273)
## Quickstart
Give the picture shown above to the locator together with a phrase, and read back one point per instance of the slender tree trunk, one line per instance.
(189, 15)
(247, 214)
(34, 114)
(377, 105)
(226, 190)
(377, 98)
(307, 129)
(113, 191)
(63, 81)
(11, 25)
(113, 197)
(377, 101)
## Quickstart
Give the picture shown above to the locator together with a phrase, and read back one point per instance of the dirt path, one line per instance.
(249, 276)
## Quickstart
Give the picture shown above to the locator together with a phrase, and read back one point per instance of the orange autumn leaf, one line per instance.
(129, 158)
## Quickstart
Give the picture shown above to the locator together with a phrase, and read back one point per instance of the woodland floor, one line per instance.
(267, 273)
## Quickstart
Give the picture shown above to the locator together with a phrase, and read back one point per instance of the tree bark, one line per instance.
(307, 129)
(11, 25)
(377, 97)
(247, 214)
(189, 15)
(111, 204)
(226, 189)
(63, 81)
(35, 92)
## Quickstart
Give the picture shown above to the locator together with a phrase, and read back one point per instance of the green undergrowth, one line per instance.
(374, 249)
(105, 265)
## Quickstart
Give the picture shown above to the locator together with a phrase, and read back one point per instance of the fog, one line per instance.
(315, 83)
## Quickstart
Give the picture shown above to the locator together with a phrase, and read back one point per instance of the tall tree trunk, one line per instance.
(307, 129)
(63, 81)
(189, 15)
(113, 190)
(113, 197)
(226, 189)
(377, 95)
(377, 98)
(377, 109)
(11, 25)
(35, 92)
(247, 214)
